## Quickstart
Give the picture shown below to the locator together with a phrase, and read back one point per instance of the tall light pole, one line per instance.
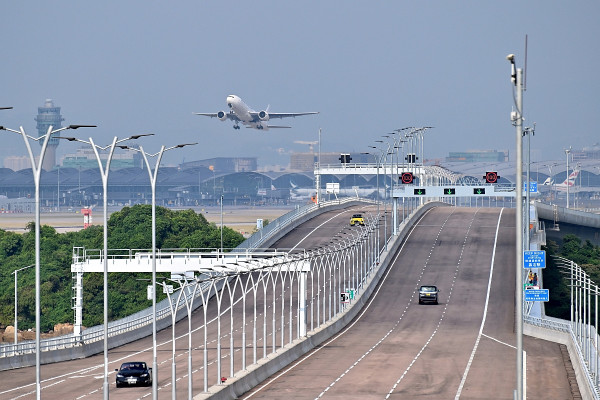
(153, 174)
(517, 120)
(37, 173)
(104, 170)
(16, 271)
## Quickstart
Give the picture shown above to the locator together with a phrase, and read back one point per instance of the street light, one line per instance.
(37, 173)
(16, 306)
(104, 170)
(517, 120)
(153, 178)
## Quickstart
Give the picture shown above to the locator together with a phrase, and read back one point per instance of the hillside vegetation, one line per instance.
(130, 228)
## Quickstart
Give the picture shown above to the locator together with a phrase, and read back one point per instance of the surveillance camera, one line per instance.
(510, 57)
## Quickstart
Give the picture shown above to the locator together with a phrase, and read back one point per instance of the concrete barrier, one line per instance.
(256, 373)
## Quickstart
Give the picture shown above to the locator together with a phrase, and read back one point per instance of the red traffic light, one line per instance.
(491, 177)
(406, 177)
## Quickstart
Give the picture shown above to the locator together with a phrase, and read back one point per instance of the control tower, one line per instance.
(48, 115)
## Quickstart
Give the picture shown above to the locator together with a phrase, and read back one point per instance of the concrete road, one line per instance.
(462, 348)
(395, 348)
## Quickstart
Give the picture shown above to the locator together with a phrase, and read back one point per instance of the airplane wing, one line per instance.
(221, 115)
(283, 115)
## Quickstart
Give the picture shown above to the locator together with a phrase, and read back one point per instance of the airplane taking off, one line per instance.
(240, 112)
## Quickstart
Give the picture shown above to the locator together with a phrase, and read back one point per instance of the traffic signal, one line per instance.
(406, 178)
(345, 158)
(411, 158)
(491, 177)
(450, 191)
(419, 192)
(478, 190)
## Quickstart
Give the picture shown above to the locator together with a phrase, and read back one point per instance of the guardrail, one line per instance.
(96, 333)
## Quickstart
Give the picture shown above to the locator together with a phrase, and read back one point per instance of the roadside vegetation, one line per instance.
(130, 228)
(585, 254)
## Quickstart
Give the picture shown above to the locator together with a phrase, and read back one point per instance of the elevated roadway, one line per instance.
(461, 348)
(395, 348)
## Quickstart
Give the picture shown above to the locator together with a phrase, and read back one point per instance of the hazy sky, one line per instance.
(369, 67)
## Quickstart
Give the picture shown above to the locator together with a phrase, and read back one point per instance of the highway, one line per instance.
(462, 348)
(395, 349)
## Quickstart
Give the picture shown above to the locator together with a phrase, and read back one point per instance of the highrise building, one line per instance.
(48, 115)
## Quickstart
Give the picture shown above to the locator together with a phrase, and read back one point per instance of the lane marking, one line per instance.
(366, 307)
(445, 307)
(487, 300)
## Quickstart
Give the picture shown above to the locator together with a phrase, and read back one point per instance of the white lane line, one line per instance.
(443, 312)
(313, 231)
(366, 307)
(499, 341)
(487, 300)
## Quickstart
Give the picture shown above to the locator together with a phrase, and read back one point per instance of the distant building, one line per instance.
(305, 162)
(478, 156)
(223, 165)
(17, 163)
(49, 115)
(85, 158)
(587, 153)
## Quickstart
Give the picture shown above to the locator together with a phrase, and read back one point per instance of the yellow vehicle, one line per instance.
(357, 219)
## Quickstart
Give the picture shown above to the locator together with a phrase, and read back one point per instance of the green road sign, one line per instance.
(450, 191)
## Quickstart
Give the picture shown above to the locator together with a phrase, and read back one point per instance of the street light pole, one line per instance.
(16, 304)
(517, 119)
(153, 178)
(104, 170)
(37, 173)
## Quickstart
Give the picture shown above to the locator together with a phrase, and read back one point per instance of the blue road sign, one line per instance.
(532, 187)
(537, 295)
(534, 259)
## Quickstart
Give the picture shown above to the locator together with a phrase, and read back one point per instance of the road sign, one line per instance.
(419, 192)
(168, 289)
(534, 259)
(406, 177)
(345, 297)
(532, 187)
(537, 295)
(450, 191)
(149, 291)
(478, 190)
(491, 177)
(351, 292)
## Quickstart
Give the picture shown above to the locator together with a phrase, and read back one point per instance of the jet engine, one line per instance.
(263, 116)
(221, 115)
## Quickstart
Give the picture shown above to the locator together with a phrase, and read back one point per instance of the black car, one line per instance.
(428, 294)
(133, 374)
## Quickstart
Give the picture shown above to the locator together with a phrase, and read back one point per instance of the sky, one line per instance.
(134, 67)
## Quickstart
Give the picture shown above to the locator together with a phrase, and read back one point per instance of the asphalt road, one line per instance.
(395, 348)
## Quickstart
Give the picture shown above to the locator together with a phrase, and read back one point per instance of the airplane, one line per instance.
(240, 112)
(562, 187)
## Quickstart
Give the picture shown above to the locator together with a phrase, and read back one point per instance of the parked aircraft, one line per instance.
(241, 112)
(562, 187)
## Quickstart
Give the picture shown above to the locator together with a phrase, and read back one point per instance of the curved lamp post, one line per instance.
(153, 176)
(37, 173)
(104, 170)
